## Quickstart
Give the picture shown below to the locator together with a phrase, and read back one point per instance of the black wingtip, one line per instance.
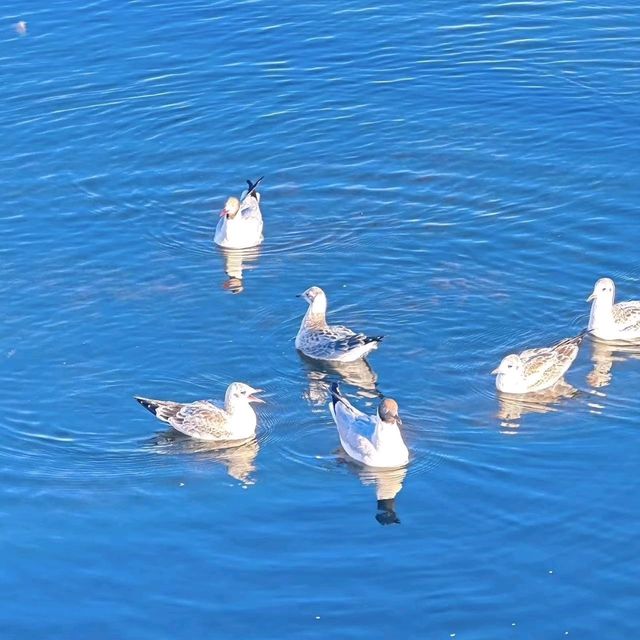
(149, 405)
(336, 396)
(252, 186)
(373, 339)
(581, 336)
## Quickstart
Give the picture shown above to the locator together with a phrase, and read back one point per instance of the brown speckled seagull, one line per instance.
(203, 420)
(536, 369)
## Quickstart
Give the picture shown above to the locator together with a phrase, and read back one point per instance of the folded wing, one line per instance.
(543, 367)
(627, 317)
(201, 419)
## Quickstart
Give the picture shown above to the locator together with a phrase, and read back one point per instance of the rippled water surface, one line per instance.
(455, 176)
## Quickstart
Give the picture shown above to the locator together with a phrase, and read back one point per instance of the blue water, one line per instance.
(456, 176)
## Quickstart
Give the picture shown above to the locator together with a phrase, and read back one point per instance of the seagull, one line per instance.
(609, 321)
(536, 369)
(240, 224)
(316, 339)
(374, 441)
(203, 420)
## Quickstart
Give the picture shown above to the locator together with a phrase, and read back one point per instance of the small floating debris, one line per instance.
(20, 28)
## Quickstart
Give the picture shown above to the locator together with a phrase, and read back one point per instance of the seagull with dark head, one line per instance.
(374, 441)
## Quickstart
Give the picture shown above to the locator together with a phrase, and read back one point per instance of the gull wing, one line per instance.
(201, 419)
(627, 316)
(337, 332)
(545, 366)
(354, 427)
(345, 340)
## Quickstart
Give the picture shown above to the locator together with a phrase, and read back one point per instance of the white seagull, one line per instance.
(203, 420)
(240, 224)
(609, 321)
(316, 339)
(536, 369)
(374, 441)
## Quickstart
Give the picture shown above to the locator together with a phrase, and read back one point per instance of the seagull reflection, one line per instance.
(512, 407)
(321, 374)
(235, 262)
(387, 482)
(239, 460)
(603, 355)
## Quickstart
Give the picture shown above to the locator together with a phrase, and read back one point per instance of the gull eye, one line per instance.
(604, 288)
(509, 366)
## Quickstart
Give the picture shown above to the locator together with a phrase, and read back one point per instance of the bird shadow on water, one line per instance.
(321, 374)
(387, 482)
(236, 261)
(238, 458)
(513, 407)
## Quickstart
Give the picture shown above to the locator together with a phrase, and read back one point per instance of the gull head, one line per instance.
(241, 392)
(388, 412)
(510, 366)
(312, 294)
(604, 290)
(231, 208)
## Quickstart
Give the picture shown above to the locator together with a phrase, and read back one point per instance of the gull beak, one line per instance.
(591, 297)
(496, 371)
(223, 213)
(252, 397)
(399, 421)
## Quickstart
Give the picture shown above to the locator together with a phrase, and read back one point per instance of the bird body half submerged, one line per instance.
(204, 420)
(374, 441)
